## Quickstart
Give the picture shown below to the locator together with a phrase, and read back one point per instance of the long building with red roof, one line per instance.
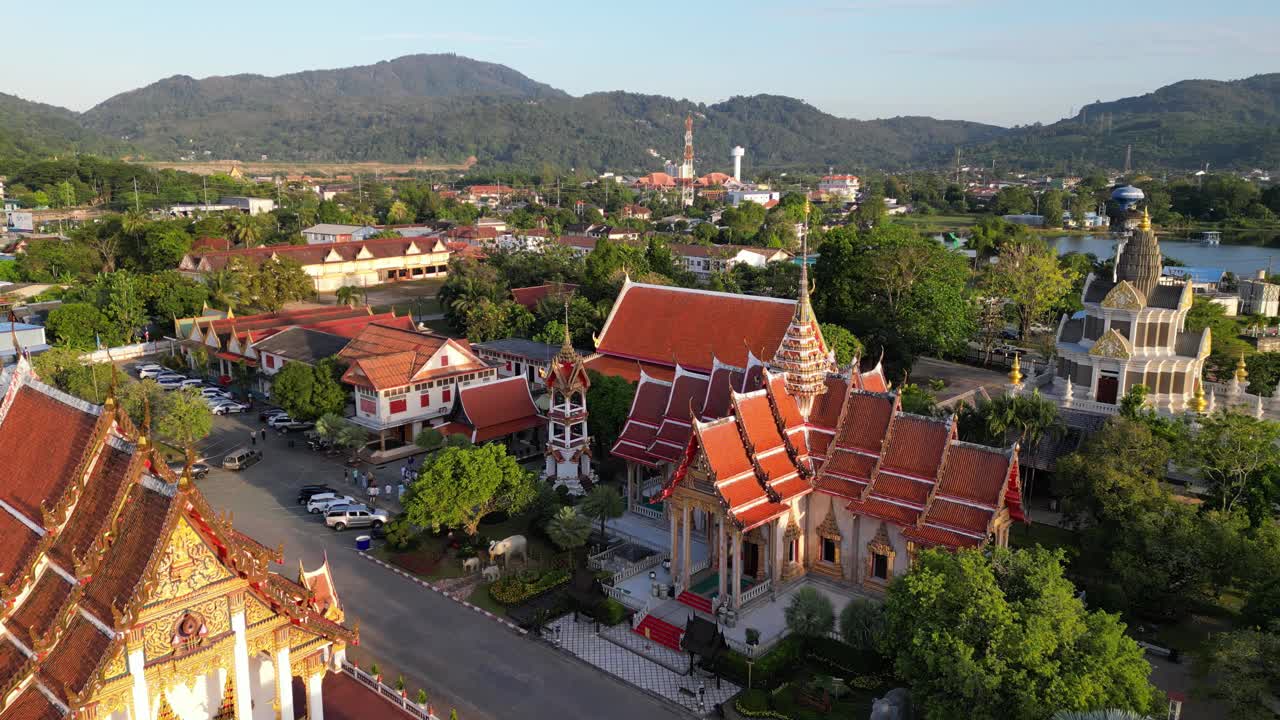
(789, 465)
(126, 595)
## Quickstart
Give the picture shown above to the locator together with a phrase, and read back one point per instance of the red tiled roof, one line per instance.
(725, 379)
(11, 659)
(376, 340)
(939, 536)
(826, 409)
(31, 705)
(630, 369)
(39, 472)
(71, 663)
(314, 254)
(18, 548)
(885, 510)
(916, 445)
(144, 514)
(498, 408)
(529, 297)
(351, 327)
(973, 473)
(33, 618)
(387, 357)
(666, 325)
(347, 699)
(958, 516)
(87, 521)
(901, 488)
(724, 451)
(867, 420)
(211, 244)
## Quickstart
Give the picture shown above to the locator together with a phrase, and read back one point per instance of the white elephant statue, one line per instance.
(491, 573)
(513, 545)
(471, 565)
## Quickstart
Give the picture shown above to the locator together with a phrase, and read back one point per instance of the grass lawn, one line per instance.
(1190, 633)
(940, 222)
(481, 599)
(1052, 537)
(433, 560)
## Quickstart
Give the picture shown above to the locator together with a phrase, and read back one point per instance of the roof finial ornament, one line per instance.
(1242, 373)
(145, 428)
(1145, 225)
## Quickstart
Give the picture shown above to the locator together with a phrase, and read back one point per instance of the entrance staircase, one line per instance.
(660, 631)
(697, 602)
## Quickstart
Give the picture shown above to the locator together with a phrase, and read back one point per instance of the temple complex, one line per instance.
(1131, 332)
(126, 596)
(792, 465)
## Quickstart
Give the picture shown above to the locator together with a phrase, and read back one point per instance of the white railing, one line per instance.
(647, 512)
(700, 565)
(634, 569)
(640, 614)
(757, 650)
(597, 561)
(755, 591)
(1094, 407)
(388, 693)
(125, 352)
(627, 599)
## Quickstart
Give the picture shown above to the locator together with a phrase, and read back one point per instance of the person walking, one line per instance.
(253, 438)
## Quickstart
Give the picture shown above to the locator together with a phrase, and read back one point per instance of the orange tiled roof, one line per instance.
(205, 261)
(387, 357)
(669, 325)
(531, 296)
(498, 408)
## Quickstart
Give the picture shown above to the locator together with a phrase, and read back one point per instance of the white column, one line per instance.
(244, 687)
(137, 662)
(675, 540)
(778, 551)
(724, 558)
(284, 675)
(737, 569)
(315, 696)
(684, 541)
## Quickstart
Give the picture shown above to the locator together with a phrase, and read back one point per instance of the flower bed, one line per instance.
(519, 587)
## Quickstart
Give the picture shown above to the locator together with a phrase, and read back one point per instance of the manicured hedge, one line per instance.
(519, 587)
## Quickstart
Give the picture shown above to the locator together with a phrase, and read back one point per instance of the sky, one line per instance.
(1004, 62)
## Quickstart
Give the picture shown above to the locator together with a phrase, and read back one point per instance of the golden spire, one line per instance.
(145, 430)
(567, 354)
(1145, 225)
(1015, 371)
(1198, 403)
(1241, 373)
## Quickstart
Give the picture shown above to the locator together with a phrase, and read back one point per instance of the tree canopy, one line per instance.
(458, 486)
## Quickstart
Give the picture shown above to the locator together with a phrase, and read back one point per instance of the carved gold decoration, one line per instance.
(236, 601)
(829, 527)
(218, 655)
(1124, 296)
(160, 633)
(116, 697)
(255, 612)
(187, 565)
(879, 545)
(262, 643)
(116, 666)
(1112, 345)
(135, 638)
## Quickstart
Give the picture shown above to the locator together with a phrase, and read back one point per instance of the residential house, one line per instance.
(518, 357)
(296, 344)
(840, 186)
(529, 297)
(638, 212)
(21, 337)
(706, 260)
(357, 263)
(333, 233)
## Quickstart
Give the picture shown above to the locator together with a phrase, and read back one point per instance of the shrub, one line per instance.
(768, 671)
(610, 612)
(810, 613)
(753, 636)
(518, 587)
(862, 623)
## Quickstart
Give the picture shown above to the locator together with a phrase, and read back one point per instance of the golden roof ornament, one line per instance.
(1198, 403)
(1145, 225)
(1241, 373)
(1015, 371)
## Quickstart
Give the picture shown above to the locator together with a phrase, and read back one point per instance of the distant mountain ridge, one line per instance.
(449, 107)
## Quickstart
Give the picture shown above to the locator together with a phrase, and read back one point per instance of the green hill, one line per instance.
(31, 130)
(1184, 125)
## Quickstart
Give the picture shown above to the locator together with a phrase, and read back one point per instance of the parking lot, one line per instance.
(461, 658)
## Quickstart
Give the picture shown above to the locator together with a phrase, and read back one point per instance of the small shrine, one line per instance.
(568, 450)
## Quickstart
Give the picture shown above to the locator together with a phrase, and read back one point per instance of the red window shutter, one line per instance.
(424, 399)
(444, 360)
(368, 407)
(446, 395)
(271, 361)
(399, 406)
(508, 366)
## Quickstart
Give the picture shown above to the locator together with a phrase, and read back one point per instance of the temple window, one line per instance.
(830, 551)
(829, 538)
(880, 554)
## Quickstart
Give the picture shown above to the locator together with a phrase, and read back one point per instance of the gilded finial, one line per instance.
(110, 401)
(1198, 403)
(1015, 371)
(145, 430)
(1146, 220)
(1241, 372)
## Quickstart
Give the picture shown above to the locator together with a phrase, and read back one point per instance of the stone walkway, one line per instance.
(581, 639)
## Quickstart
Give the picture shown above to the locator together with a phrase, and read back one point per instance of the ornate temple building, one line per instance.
(568, 449)
(796, 466)
(1131, 331)
(126, 596)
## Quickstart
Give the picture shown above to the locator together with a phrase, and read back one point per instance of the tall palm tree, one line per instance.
(134, 222)
(225, 287)
(347, 295)
(247, 230)
(1026, 419)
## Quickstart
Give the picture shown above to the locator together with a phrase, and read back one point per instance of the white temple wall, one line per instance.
(262, 672)
(197, 700)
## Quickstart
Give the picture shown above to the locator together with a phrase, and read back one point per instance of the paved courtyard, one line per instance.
(462, 658)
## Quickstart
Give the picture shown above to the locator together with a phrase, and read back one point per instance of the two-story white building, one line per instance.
(406, 380)
(843, 186)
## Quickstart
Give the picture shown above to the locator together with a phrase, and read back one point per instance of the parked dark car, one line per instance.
(268, 413)
(198, 470)
(307, 491)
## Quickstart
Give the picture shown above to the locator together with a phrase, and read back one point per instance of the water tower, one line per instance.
(736, 153)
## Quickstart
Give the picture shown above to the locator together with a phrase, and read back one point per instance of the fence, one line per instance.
(648, 512)
(634, 569)
(125, 352)
(627, 599)
(388, 693)
(756, 591)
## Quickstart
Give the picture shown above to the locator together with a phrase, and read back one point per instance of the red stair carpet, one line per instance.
(696, 601)
(660, 631)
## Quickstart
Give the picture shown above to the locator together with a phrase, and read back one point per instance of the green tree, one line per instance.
(349, 295)
(1051, 208)
(1002, 635)
(609, 399)
(62, 368)
(569, 529)
(847, 347)
(247, 230)
(458, 486)
(603, 503)
(124, 302)
(870, 213)
(275, 282)
(1029, 276)
(307, 392)
(809, 614)
(226, 287)
(184, 419)
(1013, 200)
(1241, 668)
(429, 439)
(399, 213)
(163, 248)
(862, 624)
(1234, 451)
(80, 326)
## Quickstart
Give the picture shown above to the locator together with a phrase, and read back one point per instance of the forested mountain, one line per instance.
(31, 130)
(445, 108)
(1184, 125)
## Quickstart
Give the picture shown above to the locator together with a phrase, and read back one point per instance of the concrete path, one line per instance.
(462, 658)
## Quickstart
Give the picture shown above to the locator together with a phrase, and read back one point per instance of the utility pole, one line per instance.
(137, 204)
(204, 179)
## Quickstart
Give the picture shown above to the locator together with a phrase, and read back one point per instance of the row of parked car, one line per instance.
(279, 420)
(340, 511)
(219, 400)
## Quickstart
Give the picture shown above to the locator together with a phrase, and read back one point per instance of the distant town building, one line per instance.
(760, 196)
(515, 357)
(30, 339)
(1259, 297)
(325, 233)
(235, 203)
(845, 186)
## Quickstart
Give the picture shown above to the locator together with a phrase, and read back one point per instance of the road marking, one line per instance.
(412, 578)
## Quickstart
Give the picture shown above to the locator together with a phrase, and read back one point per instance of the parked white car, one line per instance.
(170, 381)
(277, 420)
(319, 504)
(214, 394)
(151, 370)
(192, 383)
(227, 407)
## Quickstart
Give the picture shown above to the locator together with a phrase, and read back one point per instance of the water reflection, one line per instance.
(1242, 252)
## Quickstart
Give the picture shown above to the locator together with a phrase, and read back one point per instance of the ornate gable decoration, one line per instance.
(1124, 296)
(188, 565)
(830, 528)
(1112, 345)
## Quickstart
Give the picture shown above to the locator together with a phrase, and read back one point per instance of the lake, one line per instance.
(1240, 258)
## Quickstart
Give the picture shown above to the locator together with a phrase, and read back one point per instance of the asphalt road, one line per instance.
(462, 658)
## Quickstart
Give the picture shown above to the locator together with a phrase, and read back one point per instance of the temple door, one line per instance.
(750, 559)
(1108, 389)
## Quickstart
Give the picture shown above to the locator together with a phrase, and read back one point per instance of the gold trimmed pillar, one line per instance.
(737, 569)
(136, 661)
(239, 625)
(686, 561)
(721, 541)
(284, 674)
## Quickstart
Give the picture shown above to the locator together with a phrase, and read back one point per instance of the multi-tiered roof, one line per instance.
(99, 534)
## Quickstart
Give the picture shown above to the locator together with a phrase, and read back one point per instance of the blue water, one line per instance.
(1243, 260)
